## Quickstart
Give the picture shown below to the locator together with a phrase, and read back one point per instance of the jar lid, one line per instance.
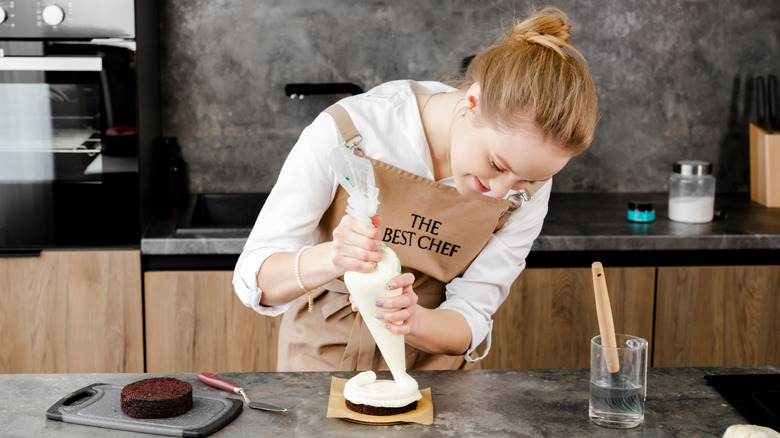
(640, 205)
(693, 167)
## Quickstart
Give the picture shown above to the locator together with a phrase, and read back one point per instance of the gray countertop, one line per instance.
(495, 403)
(575, 222)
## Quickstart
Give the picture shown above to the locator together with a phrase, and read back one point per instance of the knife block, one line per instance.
(764, 166)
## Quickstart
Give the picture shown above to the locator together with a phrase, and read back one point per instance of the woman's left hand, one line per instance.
(399, 312)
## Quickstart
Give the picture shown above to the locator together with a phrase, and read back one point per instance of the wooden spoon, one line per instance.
(604, 312)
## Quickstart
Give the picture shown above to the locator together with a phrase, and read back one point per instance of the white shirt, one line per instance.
(388, 119)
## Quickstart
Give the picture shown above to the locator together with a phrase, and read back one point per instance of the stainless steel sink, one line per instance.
(220, 213)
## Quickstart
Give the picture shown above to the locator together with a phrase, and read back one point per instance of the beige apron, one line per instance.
(436, 233)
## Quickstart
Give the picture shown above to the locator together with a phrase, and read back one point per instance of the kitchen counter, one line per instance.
(518, 403)
(597, 222)
(575, 222)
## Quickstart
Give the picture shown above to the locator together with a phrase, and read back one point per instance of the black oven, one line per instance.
(75, 128)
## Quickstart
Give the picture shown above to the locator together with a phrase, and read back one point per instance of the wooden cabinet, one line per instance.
(702, 316)
(82, 312)
(71, 312)
(195, 322)
(550, 316)
(718, 316)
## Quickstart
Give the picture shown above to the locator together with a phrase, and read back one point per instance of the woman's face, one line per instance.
(484, 159)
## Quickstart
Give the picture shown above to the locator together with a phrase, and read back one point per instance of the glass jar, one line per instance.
(691, 192)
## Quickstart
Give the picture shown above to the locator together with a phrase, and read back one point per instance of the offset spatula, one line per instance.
(218, 382)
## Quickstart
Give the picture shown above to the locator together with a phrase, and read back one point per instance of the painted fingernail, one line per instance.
(387, 326)
(379, 316)
(391, 286)
(379, 303)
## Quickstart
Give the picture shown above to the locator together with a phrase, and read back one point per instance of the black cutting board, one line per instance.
(755, 396)
(98, 405)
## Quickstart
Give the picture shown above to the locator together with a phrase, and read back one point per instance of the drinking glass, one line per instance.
(618, 399)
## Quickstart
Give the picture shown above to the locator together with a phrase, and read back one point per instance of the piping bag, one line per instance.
(356, 175)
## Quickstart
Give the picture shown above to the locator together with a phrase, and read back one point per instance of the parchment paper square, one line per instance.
(337, 408)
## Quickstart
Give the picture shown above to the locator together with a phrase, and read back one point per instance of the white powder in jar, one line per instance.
(691, 209)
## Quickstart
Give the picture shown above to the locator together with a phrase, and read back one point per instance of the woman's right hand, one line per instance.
(356, 246)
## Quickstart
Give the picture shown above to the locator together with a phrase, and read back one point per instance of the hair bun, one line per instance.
(533, 74)
(548, 27)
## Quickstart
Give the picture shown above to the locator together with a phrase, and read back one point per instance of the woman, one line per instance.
(464, 177)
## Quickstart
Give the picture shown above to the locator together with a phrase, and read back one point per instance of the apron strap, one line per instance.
(331, 307)
(346, 126)
(361, 348)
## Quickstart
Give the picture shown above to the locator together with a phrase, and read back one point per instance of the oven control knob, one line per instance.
(3, 15)
(53, 15)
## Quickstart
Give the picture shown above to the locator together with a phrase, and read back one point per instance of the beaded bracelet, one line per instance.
(298, 278)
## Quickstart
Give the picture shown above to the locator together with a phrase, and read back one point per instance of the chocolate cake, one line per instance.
(159, 397)
(365, 394)
(380, 411)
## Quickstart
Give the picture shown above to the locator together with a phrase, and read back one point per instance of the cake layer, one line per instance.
(158, 397)
(380, 411)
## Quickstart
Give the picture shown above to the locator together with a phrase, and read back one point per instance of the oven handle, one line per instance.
(76, 150)
(51, 63)
(19, 253)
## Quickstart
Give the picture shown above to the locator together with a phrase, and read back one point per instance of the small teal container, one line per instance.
(641, 211)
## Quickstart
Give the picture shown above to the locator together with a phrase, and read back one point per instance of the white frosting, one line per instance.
(365, 290)
(364, 389)
(750, 431)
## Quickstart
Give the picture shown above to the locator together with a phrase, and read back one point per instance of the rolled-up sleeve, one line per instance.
(288, 220)
(481, 290)
(245, 281)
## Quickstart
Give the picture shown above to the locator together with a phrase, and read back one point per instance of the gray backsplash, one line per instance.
(673, 77)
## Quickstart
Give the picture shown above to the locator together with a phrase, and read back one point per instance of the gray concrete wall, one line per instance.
(673, 77)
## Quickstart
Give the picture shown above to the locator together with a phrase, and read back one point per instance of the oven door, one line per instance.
(68, 146)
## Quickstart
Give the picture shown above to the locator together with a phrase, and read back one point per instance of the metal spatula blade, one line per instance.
(218, 382)
(258, 405)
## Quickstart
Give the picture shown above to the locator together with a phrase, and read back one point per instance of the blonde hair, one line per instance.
(535, 74)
